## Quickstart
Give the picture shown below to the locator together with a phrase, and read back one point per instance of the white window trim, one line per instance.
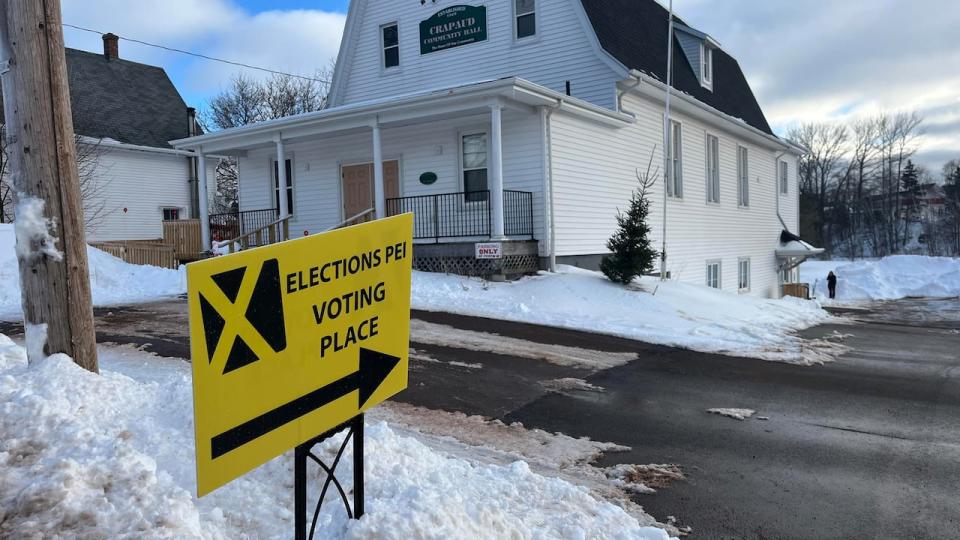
(536, 22)
(462, 181)
(274, 182)
(710, 181)
(719, 265)
(740, 262)
(705, 52)
(383, 49)
(673, 191)
(783, 178)
(743, 177)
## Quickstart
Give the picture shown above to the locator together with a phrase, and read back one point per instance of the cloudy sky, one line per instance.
(806, 59)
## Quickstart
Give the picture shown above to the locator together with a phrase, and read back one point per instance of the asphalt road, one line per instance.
(865, 447)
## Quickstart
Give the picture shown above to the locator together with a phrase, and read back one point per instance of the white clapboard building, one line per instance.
(124, 114)
(525, 123)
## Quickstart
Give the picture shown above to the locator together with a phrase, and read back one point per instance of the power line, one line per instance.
(198, 55)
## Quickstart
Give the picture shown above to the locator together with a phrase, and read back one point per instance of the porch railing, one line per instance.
(270, 233)
(231, 225)
(465, 214)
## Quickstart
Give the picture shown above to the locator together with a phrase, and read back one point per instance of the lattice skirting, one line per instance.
(510, 265)
(519, 257)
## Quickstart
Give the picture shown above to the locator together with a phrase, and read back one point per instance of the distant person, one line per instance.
(832, 284)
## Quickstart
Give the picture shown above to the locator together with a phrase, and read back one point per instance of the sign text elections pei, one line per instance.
(291, 340)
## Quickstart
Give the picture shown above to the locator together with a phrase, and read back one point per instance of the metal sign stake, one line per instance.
(303, 452)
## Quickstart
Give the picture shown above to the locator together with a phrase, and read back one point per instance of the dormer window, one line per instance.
(390, 35)
(706, 66)
(526, 11)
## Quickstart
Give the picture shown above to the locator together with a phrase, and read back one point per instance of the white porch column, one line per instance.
(282, 184)
(282, 179)
(496, 171)
(380, 193)
(202, 194)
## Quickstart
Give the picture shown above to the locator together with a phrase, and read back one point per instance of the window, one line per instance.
(171, 214)
(744, 281)
(675, 183)
(784, 176)
(526, 18)
(706, 66)
(713, 169)
(743, 176)
(276, 183)
(713, 274)
(390, 34)
(474, 162)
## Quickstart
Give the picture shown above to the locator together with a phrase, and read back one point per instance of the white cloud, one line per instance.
(815, 60)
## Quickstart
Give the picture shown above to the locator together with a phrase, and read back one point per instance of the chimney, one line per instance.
(191, 121)
(111, 46)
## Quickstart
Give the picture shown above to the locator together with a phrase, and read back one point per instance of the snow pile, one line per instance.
(890, 278)
(112, 456)
(112, 281)
(678, 314)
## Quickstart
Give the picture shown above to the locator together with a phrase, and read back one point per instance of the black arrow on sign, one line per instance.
(375, 367)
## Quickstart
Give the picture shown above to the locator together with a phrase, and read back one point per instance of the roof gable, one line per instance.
(635, 33)
(126, 101)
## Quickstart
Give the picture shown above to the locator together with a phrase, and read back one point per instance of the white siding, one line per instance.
(432, 147)
(563, 50)
(143, 183)
(595, 171)
(790, 203)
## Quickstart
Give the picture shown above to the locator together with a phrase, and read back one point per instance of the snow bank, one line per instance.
(112, 456)
(890, 278)
(679, 314)
(112, 281)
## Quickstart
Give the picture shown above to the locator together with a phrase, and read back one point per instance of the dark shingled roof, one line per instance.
(126, 101)
(635, 33)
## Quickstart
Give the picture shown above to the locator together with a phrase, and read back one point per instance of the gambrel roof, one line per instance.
(125, 101)
(635, 33)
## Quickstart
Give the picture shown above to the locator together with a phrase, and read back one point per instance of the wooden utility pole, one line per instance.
(51, 247)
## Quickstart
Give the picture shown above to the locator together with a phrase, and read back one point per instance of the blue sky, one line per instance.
(807, 60)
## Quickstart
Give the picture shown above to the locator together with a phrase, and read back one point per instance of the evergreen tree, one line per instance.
(631, 252)
(910, 178)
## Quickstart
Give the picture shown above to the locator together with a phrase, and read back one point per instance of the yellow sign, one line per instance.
(293, 339)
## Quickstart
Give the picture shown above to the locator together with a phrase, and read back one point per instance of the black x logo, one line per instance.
(244, 310)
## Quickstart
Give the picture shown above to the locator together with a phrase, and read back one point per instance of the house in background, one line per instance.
(124, 114)
(525, 123)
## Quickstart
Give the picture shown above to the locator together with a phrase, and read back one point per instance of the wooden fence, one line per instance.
(797, 290)
(184, 236)
(153, 253)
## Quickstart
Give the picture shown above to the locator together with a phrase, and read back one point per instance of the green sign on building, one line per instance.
(453, 27)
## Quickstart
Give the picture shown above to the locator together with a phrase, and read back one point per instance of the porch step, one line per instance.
(520, 257)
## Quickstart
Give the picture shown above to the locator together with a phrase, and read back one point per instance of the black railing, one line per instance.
(464, 215)
(232, 225)
(518, 213)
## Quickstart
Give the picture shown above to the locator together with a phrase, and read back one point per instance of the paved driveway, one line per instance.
(865, 447)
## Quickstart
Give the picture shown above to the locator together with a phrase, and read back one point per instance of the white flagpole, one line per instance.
(667, 165)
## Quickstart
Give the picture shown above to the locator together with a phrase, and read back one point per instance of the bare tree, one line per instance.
(897, 137)
(247, 101)
(92, 185)
(826, 144)
(228, 177)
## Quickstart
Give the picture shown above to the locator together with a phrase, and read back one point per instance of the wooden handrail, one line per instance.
(258, 235)
(350, 221)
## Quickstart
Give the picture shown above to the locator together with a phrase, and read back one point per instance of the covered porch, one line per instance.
(471, 164)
